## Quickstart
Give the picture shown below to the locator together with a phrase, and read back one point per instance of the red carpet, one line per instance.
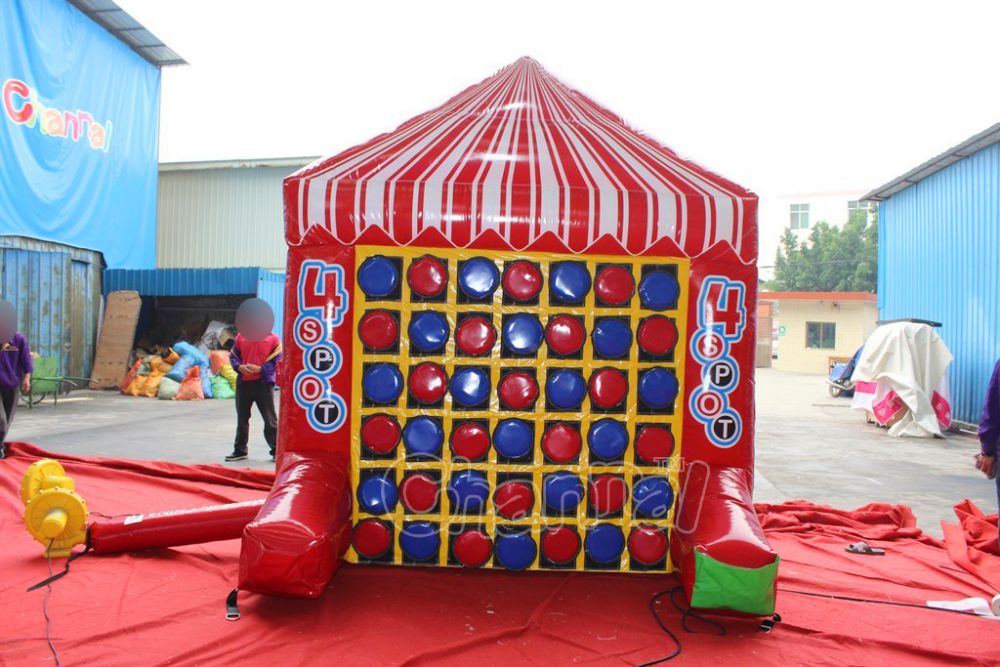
(168, 606)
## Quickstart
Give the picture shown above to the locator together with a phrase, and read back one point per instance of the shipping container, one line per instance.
(939, 259)
(56, 290)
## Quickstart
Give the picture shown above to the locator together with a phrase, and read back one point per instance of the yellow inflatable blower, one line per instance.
(54, 513)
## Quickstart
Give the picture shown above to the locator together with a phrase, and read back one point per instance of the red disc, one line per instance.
(608, 387)
(561, 443)
(614, 285)
(380, 434)
(518, 390)
(475, 336)
(514, 499)
(657, 335)
(654, 444)
(427, 277)
(428, 382)
(565, 335)
(378, 329)
(470, 440)
(419, 492)
(647, 544)
(473, 548)
(371, 538)
(522, 280)
(560, 544)
(607, 493)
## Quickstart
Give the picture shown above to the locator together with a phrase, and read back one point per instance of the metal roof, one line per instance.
(238, 163)
(191, 282)
(817, 296)
(120, 23)
(984, 139)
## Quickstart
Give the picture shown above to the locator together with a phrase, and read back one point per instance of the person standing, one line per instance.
(989, 431)
(254, 357)
(15, 369)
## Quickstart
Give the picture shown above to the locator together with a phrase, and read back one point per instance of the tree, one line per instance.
(833, 260)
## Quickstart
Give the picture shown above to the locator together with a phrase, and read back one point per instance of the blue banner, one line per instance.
(79, 123)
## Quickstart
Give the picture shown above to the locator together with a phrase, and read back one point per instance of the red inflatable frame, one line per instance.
(295, 543)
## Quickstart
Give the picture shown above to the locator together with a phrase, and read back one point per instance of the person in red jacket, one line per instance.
(255, 356)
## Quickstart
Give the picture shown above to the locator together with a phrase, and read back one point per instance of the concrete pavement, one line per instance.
(809, 445)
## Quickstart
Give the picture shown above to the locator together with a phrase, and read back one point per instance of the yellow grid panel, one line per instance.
(448, 359)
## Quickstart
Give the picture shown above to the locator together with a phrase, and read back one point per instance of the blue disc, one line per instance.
(470, 386)
(652, 497)
(658, 290)
(522, 334)
(428, 331)
(658, 388)
(513, 438)
(604, 543)
(468, 491)
(569, 282)
(382, 383)
(612, 338)
(562, 491)
(378, 276)
(478, 278)
(377, 495)
(608, 439)
(423, 435)
(565, 389)
(516, 551)
(420, 540)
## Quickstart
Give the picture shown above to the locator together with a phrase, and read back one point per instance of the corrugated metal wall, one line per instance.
(221, 217)
(56, 290)
(939, 259)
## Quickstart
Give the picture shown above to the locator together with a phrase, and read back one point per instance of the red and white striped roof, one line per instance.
(523, 155)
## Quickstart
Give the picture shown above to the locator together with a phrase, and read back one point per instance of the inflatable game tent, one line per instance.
(519, 334)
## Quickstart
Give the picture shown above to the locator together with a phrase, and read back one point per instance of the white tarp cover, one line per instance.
(901, 377)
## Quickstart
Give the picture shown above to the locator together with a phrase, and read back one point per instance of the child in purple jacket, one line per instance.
(15, 368)
(989, 430)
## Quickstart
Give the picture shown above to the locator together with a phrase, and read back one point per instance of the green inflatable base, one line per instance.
(744, 589)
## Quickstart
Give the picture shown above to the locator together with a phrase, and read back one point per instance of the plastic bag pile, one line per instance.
(185, 374)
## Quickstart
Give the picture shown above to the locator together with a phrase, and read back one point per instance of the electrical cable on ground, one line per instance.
(45, 610)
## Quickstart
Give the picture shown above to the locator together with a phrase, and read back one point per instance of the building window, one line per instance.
(853, 206)
(821, 335)
(799, 216)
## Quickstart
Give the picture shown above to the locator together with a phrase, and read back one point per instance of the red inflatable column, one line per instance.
(294, 545)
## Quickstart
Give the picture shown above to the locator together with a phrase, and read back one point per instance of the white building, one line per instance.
(222, 213)
(801, 211)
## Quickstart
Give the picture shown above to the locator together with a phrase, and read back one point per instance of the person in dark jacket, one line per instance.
(989, 431)
(15, 369)
(254, 357)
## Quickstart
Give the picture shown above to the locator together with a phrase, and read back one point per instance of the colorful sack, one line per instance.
(227, 372)
(138, 386)
(217, 359)
(191, 386)
(171, 357)
(221, 388)
(157, 369)
(191, 356)
(168, 389)
(127, 380)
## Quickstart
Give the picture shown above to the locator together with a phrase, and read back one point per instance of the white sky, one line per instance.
(781, 97)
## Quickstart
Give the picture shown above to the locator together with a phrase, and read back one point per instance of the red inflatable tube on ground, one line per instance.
(294, 545)
(724, 559)
(173, 528)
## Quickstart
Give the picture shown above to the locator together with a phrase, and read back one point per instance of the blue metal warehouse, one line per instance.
(939, 258)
